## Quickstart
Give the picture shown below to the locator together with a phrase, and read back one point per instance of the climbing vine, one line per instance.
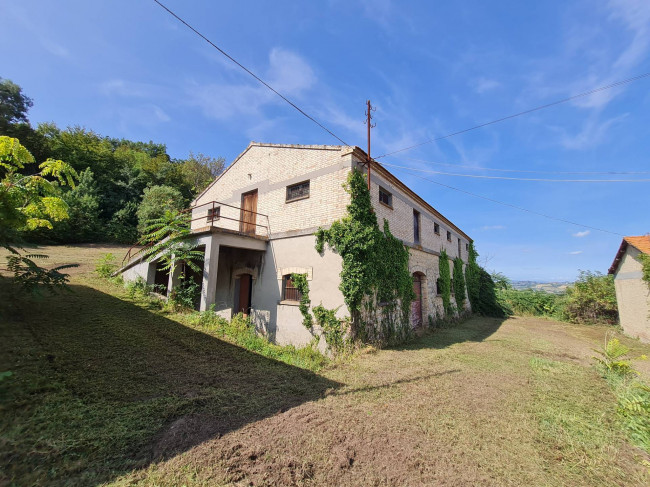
(445, 281)
(459, 283)
(331, 326)
(301, 284)
(375, 267)
(472, 278)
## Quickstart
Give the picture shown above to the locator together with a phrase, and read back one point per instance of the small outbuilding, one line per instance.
(632, 293)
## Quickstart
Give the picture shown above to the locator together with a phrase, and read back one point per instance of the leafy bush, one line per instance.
(185, 295)
(156, 200)
(106, 265)
(333, 329)
(633, 395)
(592, 299)
(528, 302)
(241, 331)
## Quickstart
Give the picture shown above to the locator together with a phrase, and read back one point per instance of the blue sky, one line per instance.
(128, 69)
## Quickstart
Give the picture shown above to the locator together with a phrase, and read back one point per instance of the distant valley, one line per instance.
(549, 287)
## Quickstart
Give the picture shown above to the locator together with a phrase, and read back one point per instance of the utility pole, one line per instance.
(369, 111)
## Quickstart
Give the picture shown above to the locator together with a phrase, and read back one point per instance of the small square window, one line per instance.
(289, 291)
(385, 197)
(214, 213)
(448, 236)
(436, 229)
(298, 191)
(467, 247)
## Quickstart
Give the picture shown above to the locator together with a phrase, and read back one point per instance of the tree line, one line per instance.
(121, 183)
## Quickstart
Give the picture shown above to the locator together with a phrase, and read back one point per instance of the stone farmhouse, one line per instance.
(632, 293)
(256, 225)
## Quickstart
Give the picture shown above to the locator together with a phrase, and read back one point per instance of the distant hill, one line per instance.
(549, 287)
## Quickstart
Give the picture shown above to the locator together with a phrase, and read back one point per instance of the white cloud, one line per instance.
(575, 252)
(493, 227)
(581, 234)
(481, 85)
(592, 133)
(287, 72)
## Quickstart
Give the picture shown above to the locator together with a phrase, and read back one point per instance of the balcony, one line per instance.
(229, 219)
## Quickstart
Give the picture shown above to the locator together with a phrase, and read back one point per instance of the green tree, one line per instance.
(156, 200)
(83, 224)
(592, 299)
(14, 104)
(472, 278)
(28, 202)
(501, 281)
(200, 170)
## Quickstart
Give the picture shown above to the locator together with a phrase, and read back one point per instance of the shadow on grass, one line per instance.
(475, 329)
(101, 386)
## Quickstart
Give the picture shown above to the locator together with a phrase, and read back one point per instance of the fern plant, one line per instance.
(167, 240)
(612, 358)
(30, 276)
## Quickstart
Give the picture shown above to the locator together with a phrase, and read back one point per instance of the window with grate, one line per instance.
(436, 229)
(459, 247)
(416, 227)
(298, 191)
(448, 236)
(289, 291)
(385, 197)
(214, 213)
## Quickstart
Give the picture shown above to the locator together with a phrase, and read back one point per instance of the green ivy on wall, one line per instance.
(459, 284)
(375, 267)
(445, 281)
(472, 277)
(301, 284)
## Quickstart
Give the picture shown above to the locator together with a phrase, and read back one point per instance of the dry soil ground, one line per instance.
(106, 391)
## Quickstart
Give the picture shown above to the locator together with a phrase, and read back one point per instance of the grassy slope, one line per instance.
(108, 391)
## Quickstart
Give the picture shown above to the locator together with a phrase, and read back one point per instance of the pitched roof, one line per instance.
(641, 243)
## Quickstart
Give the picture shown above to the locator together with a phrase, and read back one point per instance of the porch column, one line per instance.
(210, 268)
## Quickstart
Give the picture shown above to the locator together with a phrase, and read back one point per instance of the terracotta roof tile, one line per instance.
(642, 243)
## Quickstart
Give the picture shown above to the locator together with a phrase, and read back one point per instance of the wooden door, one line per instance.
(416, 304)
(248, 213)
(245, 288)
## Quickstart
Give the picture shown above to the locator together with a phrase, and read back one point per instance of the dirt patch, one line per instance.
(186, 432)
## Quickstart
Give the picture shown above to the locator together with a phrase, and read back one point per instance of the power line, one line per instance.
(516, 207)
(252, 74)
(478, 168)
(554, 180)
(565, 100)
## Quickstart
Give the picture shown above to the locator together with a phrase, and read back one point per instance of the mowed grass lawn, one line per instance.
(108, 391)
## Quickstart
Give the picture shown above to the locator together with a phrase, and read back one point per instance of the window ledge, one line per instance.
(287, 302)
(296, 199)
(387, 206)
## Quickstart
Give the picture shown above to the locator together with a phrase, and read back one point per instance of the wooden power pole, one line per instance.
(369, 111)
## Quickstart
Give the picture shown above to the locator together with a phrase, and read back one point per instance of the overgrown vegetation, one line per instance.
(241, 331)
(301, 284)
(481, 289)
(633, 395)
(459, 284)
(375, 269)
(590, 299)
(444, 282)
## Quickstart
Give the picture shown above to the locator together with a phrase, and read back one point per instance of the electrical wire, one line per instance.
(251, 73)
(554, 180)
(532, 171)
(517, 207)
(541, 107)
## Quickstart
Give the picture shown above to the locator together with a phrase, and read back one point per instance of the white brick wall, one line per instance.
(270, 169)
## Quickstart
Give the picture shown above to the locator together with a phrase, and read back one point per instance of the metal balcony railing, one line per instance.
(215, 214)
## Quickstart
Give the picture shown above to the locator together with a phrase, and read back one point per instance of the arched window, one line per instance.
(289, 291)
